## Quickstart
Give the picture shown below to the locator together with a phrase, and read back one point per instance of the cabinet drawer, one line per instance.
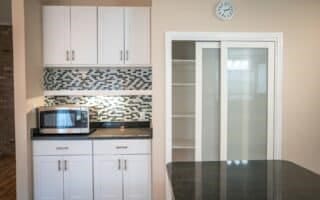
(122, 147)
(62, 147)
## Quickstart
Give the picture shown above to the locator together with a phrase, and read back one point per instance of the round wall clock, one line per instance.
(225, 10)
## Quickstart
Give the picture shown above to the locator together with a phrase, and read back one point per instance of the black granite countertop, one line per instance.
(243, 180)
(113, 130)
(103, 133)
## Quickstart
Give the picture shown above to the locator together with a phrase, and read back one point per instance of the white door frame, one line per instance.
(276, 38)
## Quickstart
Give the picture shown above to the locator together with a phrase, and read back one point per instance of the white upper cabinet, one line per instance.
(137, 35)
(124, 36)
(84, 35)
(91, 36)
(69, 35)
(111, 33)
(56, 35)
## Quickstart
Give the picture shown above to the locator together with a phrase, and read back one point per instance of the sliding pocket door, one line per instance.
(234, 101)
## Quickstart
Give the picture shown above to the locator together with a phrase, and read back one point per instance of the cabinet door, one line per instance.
(137, 177)
(108, 178)
(48, 177)
(78, 179)
(56, 35)
(137, 35)
(84, 35)
(111, 35)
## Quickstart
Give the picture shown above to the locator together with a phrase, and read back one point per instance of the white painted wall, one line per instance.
(5, 12)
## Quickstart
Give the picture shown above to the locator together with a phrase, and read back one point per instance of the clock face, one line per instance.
(225, 10)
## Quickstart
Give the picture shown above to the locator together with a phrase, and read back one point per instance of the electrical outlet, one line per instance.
(142, 116)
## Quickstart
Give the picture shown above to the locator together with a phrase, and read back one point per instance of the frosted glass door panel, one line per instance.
(210, 104)
(247, 93)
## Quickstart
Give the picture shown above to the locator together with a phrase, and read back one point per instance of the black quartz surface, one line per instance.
(100, 133)
(243, 180)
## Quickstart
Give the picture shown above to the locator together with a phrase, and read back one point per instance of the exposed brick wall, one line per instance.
(6, 91)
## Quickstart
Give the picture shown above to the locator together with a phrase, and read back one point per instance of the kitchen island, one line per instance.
(242, 180)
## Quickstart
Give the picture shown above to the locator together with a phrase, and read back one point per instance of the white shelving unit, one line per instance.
(183, 101)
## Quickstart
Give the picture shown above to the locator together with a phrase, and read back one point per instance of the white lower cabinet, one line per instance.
(78, 178)
(107, 178)
(122, 175)
(137, 177)
(66, 170)
(62, 173)
(47, 178)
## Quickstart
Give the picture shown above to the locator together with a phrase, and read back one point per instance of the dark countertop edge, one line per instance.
(86, 136)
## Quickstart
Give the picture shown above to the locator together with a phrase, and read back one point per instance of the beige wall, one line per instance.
(298, 20)
(27, 83)
(19, 54)
(5, 12)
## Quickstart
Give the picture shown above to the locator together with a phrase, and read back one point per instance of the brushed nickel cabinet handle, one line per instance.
(121, 147)
(119, 164)
(67, 55)
(59, 165)
(62, 148)
(127, 55)
(65, 165)
(125, 164)
(73, 55)
(121, 55)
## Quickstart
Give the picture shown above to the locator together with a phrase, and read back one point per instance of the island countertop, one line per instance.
(242, 180)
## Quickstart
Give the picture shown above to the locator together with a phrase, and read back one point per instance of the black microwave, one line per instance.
(66, 119)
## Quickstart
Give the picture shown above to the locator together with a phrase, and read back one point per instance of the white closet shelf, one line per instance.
(183, 84)
(183, 116)
(96, 92)
(183, 61)
(183, 144)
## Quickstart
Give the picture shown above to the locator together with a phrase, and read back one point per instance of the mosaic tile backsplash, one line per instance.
(98, 79)
(106, 109)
